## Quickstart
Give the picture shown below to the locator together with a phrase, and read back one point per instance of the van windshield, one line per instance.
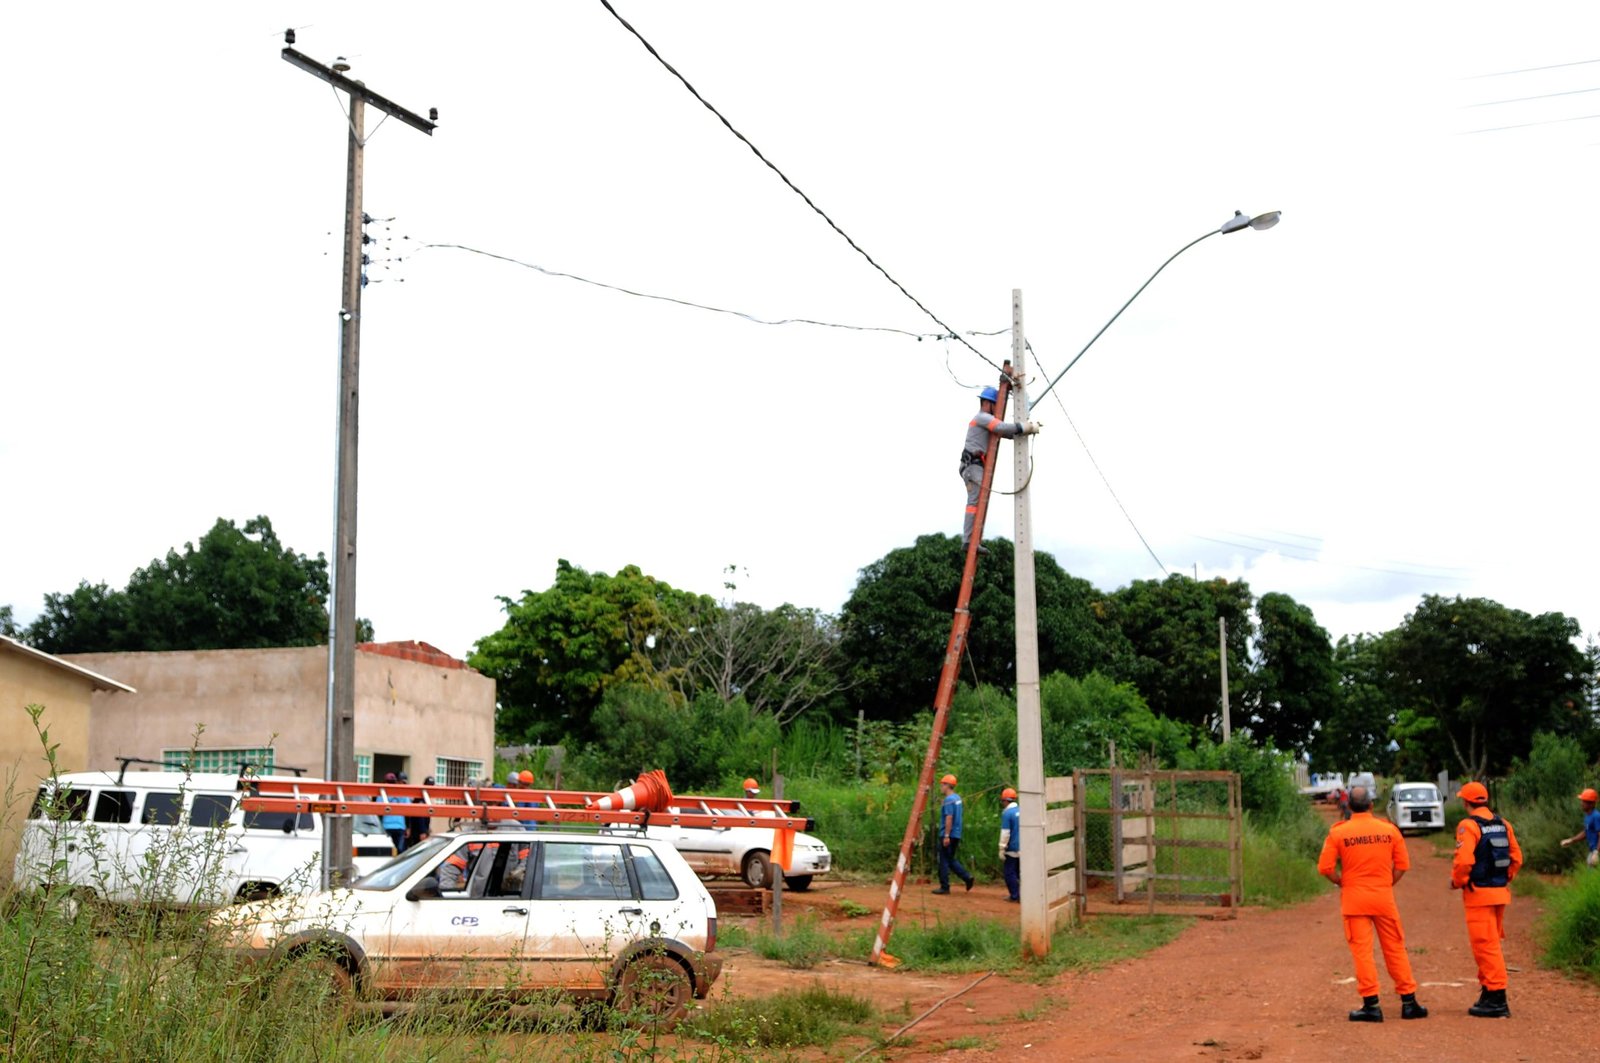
(400, 868)
(1415, 794)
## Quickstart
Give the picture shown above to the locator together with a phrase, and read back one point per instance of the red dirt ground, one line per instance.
(1269, 985)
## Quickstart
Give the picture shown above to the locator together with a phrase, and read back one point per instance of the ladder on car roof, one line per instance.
(648, 802)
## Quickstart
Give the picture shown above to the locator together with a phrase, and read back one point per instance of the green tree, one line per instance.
(237, 588)
(1355, 731)
(782, 661)
(8, 623)
(897, 624)
(1474, 679)
(560, 648)
(1295, 683)
(1172, 626)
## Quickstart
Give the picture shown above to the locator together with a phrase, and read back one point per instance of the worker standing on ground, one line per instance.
(1591, 827)
(950, 836)
(976, 449)
(1365, 857)
(1487, 859)
(1011, 845)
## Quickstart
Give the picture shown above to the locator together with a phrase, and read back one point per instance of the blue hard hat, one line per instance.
(989, 395)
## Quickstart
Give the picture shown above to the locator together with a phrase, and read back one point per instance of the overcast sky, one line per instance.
(1389, 394)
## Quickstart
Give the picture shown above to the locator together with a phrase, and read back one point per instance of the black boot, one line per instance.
(1368, 1011)
(1492, 1005)
(1410, 1009)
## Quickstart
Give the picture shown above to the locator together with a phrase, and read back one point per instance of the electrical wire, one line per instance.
(752, 318)
(792, 186)
(1531, 69)
(1339, 564)
(1525, 125)
(1525, 99)
(1090, 455)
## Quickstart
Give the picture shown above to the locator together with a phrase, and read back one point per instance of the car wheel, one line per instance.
(317, 979)
(654, 990)
(799, 883)
(757, 870)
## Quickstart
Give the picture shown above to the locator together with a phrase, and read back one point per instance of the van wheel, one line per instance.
(654, 991)
(757, 870)
(798, 883)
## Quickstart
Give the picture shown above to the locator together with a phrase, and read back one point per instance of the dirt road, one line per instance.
(1270, 985)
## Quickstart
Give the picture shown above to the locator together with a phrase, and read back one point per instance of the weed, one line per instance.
(1571, 930)
(970, 945)
(851, 910)
(802, 946)
(962, 1044)
(786, 1019)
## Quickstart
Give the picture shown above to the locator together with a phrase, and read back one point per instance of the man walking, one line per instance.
(950, 836)
(1487, 859)
(976, 449)
(1591, 827)
(1010, 845)
(394, 825)
(1365, 857)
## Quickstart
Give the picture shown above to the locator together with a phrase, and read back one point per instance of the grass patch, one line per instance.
(790, 1018)
(964, 1044)
(970, 945)
(802, 946)
(851, 910)
(733, 936)
(1280, 859)
(1571, 929)
(1529, 884)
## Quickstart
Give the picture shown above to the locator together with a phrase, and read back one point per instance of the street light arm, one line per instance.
(1034, 401)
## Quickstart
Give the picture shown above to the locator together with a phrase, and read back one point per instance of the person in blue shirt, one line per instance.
(950, 836)
(395, 826)
(1591, 827)
(1011, 845)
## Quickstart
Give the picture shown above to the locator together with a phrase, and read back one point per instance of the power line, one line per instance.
(1103, 479)
(1525, 125)
(1531, 69)
(1541, 96)
(792, 186)
(1340, 564)
(752, 318)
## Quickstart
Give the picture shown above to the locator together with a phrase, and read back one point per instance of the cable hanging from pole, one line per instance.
(792, 186)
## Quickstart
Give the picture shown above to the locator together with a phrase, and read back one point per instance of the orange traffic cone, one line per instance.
(649, 793)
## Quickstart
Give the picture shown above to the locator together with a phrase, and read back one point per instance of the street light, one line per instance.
(1232, 225)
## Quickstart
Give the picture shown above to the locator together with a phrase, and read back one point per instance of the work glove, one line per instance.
(1594, 858)
(1030, 428)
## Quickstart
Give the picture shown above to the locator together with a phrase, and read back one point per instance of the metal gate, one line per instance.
(1155, 839)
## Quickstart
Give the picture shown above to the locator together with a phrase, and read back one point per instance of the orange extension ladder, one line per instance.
(648, 802)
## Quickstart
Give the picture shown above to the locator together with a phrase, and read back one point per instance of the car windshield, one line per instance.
(400, 868)
(1414, 794)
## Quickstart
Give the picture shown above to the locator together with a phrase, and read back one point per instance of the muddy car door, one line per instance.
(462, 924)
(585, 911)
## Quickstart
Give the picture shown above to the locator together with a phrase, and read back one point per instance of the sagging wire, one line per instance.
(1103, 478)
(792, 186)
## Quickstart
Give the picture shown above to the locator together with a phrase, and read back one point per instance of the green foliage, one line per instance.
(698, 745)
(8, 623)
(1082, 716)
(898, 617)
(1280, 855)
(1554, 771)
(788, 1018)
(237, 589)
(802, 945)
(1571, 930)
(1295, 683)
(1265, 785)
(1355, 732)
(1476, 680)
(1172, 625)
(965, 945)
(560, 649)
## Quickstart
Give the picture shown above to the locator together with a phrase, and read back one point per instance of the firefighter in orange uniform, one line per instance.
(1487, 859)
(1365, 857)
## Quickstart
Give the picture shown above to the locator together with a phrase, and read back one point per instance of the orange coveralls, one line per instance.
(1485, 905)
(1369, 851)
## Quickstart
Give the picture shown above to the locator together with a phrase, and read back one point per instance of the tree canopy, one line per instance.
(237, 588)
(1172, 625)
(1294, 684)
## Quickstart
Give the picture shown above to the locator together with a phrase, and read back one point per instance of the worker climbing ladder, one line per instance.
(954, 649)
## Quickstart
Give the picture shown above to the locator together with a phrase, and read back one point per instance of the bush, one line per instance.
(785, 1019)
(1540, 829)
(1572, 926)
(1556, 769)
(1280, 859)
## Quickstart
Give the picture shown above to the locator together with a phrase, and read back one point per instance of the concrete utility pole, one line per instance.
(1030, 733)
(340, 759)
(1222, 633)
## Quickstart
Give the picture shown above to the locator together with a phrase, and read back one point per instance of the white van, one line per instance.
(173, 838)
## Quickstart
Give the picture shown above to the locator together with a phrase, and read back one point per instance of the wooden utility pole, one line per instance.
(1030, 733)
(340, 753)
(1222, 634)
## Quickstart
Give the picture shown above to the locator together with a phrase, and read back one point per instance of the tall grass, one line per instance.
(965, 945)
(1571, 930)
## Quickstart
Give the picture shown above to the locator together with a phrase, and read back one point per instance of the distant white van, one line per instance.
(176, 839)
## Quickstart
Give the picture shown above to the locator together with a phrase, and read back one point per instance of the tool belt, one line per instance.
(971, 457)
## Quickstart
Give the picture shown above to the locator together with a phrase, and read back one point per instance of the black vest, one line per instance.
(1491, 860)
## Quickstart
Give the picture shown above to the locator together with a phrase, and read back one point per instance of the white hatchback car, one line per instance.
(601, 917)
(1416, 806)
(746, 852)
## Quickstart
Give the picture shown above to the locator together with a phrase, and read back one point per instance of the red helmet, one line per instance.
(751, 786)
(1008, 794)
(948, 780)
(1589, 795)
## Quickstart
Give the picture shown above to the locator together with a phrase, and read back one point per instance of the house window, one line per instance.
(448, 771)
(219, 760)
(363, 767)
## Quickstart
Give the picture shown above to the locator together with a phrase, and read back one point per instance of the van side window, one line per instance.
(162, 809)
(278, 822)
(210, 810)
(113, 806)
(66, 804)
